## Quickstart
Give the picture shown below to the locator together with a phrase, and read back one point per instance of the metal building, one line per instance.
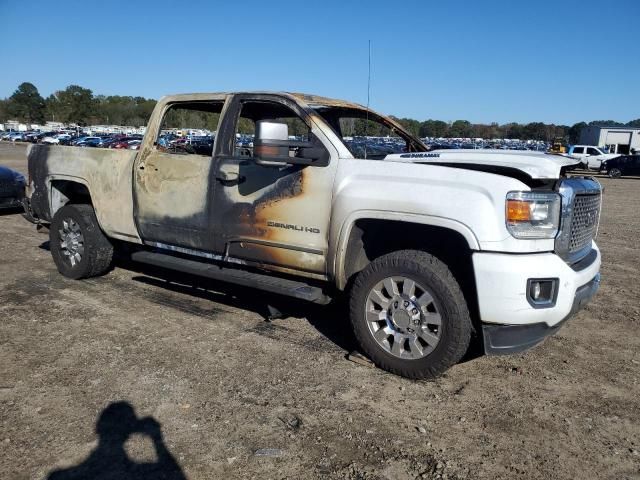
(615, 139)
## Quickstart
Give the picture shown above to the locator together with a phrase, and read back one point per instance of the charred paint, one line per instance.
(106, 173)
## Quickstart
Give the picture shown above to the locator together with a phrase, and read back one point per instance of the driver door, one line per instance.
(272, 215)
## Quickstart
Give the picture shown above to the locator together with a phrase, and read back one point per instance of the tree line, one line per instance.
(75, 104)
(79, 105)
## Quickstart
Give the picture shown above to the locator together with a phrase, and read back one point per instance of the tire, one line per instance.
(431, 276)
(614, 173)
(75, 233)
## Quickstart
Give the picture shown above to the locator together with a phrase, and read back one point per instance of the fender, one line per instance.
(339, 251)
(57, 200)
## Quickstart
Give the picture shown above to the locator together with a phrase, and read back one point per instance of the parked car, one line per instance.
(590, 157)
(57, 139)
(88, 142)
(16, 137)
(621, 166)
(12, 185)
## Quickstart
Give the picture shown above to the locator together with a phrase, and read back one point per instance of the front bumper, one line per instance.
(510, 323)
(507, 339)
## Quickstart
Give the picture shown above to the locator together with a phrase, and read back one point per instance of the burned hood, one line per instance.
(514, 163)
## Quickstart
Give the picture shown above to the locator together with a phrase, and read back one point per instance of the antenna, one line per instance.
(366, 125)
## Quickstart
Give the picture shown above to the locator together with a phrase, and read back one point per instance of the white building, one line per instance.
(615, 139)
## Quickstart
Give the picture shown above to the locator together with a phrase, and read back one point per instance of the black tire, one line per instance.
(434, 275)
(614, 173)
(97, 253)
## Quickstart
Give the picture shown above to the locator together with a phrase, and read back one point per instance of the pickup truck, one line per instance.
(435, 250)
(590, 157)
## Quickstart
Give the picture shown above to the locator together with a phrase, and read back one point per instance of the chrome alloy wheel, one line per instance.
(71, 241)
(403, 318)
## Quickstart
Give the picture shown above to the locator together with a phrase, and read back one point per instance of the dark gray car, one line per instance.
(12, 185)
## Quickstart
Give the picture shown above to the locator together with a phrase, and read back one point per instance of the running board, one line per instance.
(268, 283)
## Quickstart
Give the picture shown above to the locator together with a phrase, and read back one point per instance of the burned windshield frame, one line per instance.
(332, 115)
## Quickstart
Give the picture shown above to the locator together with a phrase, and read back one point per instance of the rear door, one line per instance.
(275, 216)
(173, 177)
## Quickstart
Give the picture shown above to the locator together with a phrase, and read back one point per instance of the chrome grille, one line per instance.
(584, 222)
(581, 200)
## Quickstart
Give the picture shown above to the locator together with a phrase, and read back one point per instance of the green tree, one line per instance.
(26, 104)
(434, 128)
(606, 123)
(409, 124)
(460, 129)
(76, 105)
(574, 132)
(634, 123)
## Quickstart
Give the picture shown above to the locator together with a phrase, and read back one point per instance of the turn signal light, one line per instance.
(518, 211)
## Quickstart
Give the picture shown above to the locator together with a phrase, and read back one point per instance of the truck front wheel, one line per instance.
(409, 315)
(78, 246)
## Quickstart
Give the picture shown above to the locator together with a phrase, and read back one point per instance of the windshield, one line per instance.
(371, 138)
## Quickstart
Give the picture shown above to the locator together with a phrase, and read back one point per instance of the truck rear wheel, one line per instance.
(409, 315)
(78, 246)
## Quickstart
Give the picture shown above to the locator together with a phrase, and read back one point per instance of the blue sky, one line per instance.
(483, 61)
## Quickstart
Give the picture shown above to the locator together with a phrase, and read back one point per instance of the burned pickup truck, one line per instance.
(434, 249)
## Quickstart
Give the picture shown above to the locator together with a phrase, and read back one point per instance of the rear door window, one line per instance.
(578, 150)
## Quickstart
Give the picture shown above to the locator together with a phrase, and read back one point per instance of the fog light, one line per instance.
(542, 292)
(536, 290)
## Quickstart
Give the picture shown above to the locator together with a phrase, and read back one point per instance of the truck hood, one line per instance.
(535, 165)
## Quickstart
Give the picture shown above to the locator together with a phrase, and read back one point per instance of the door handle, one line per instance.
(227, 176)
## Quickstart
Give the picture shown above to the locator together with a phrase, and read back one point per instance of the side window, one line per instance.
(189, 128)
(288, 125)
(578, 149)
(593, 151)
(369, 138)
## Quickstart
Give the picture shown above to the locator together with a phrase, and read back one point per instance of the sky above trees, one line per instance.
(484, 61)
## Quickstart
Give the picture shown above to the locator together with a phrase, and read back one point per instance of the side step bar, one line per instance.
(268, 283)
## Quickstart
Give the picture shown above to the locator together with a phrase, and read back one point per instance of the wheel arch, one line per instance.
(65, 190)
(351, 237)
(366, 238)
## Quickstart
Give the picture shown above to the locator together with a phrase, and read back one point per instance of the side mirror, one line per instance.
(272, 147)
(271, 142)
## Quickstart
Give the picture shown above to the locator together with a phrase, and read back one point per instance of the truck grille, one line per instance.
(581, 200)
(584, 223)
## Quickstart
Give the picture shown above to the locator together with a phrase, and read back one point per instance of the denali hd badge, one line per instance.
(289, 226)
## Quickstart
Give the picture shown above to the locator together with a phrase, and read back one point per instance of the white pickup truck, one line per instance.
(589, 156)
(435, 249)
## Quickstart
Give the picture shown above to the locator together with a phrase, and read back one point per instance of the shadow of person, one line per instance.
(110, 461)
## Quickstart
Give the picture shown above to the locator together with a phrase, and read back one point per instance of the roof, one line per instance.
(313, 100)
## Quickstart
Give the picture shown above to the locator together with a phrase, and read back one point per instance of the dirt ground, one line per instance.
(220, 393)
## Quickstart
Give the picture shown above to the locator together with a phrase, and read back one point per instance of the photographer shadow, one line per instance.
(109, 460)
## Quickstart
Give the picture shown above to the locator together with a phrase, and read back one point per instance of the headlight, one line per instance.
(533, 215)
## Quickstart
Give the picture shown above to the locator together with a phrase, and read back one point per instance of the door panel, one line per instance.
(274, 215)
(172, 199)
(173, 174)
